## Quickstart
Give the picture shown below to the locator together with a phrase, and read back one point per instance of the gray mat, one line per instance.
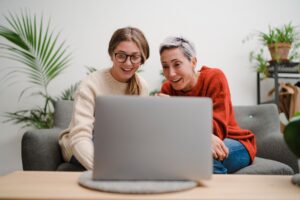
(134, 187)
(296, 179)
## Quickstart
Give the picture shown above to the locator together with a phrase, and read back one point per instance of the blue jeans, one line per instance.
(238, 158)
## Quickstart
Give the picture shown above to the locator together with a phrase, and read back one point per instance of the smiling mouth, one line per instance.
(127, 69)
(176, 80)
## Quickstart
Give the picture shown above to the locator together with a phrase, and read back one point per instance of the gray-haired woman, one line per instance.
(232, 147)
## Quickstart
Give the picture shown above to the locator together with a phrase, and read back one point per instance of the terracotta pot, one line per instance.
(279, 51)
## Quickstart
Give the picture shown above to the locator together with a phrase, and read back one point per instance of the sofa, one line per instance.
(41, 151)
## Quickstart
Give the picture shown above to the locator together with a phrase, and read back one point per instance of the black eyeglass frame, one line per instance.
(130, 57)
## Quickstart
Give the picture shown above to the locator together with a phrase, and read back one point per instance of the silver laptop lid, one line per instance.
(152, 138)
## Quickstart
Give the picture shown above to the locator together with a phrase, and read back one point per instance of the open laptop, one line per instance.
(152, 138)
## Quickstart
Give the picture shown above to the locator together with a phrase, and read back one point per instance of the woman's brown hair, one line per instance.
(137, 36)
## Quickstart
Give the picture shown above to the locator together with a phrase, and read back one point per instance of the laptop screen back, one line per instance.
(152, 138)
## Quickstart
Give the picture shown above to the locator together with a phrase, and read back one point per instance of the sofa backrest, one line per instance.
(63, 113)
(262, 120)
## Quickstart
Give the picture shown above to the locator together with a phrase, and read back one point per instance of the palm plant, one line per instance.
(69, 93)
(40, 60)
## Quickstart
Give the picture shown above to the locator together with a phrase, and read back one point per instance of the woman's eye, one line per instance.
(121, 56)
(177, 64)
(136, 57)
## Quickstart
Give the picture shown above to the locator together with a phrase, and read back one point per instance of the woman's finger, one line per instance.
(159, 94)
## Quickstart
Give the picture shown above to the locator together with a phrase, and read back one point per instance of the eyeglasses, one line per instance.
(122, 57)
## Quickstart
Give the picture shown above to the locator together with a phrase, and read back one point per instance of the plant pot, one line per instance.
(279, 51)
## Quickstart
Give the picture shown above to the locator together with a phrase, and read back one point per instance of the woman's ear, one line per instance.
(194, 62)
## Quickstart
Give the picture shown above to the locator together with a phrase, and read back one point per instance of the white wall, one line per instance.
(217, 27)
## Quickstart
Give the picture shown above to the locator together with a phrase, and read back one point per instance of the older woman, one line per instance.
(232, 147)
(128, 50)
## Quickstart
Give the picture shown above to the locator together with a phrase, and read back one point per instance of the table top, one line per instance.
(64, 185)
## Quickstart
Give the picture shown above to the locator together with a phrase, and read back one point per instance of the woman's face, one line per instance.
(126, 60)
(178, 70)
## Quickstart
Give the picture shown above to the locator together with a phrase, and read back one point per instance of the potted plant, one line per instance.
(261, 62)
(279, 41)
(283, 44)
(39, 57)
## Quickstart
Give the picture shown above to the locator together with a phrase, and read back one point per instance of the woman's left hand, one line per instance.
(219, 149)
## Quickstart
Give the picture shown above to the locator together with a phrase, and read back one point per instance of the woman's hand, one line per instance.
(159, 94)
(219, 149)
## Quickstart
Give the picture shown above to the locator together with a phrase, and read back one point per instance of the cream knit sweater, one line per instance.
(77, 139)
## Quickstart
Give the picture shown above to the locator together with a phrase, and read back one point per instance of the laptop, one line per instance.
(152, 138)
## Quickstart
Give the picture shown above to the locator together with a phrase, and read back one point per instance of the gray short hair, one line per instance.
(185, 45)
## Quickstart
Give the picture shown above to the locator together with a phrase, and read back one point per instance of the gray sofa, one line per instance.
(41, 151)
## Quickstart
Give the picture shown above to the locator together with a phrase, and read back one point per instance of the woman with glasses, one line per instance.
(128, 50)
(232, 147)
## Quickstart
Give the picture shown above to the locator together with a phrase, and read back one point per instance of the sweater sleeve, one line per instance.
(82, 126)
(166, 88)
(218, 90)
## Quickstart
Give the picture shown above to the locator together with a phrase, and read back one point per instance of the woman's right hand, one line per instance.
(159, 94)
(219, 149)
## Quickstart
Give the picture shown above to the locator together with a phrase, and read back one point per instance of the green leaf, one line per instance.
(297, 114)
(40, 59)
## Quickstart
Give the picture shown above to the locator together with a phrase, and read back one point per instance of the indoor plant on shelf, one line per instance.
(279, 41)
(283, 44)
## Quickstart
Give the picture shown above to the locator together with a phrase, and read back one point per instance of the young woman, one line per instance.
(232, 147)
(128, 50)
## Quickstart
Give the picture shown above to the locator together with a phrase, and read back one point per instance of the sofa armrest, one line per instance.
(40, 149)
(275, 148)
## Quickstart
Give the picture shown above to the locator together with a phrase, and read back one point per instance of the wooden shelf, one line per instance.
(279, 70)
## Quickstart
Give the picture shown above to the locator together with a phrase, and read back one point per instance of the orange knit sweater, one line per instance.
(213, 83)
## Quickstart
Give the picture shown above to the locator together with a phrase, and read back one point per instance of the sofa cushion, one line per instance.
(267, 167)
(40, 149)
(262, 120)
(63, 113)
(259, 166)
(65, 166)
